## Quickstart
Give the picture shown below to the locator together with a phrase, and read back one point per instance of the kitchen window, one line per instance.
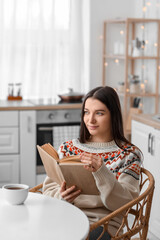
(41, 46)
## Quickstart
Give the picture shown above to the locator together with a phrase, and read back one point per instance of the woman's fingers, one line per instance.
(90, 168)
(63, 187)
(68, 191)
(72, 196)
(92, 162)
(69, 194)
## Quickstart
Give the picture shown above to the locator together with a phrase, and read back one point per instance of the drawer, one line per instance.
(9, 140)
(9, 118)
(9, 169)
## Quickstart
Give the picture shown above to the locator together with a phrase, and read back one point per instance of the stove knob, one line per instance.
(67, 116)
(51, 116)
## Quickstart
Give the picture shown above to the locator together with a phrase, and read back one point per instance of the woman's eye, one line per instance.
(85, 112)
(99, 113)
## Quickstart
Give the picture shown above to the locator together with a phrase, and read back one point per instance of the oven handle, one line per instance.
(45, 129)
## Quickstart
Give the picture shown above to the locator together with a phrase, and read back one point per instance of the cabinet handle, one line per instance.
(29, 124)
(152, 150)
(149, 142)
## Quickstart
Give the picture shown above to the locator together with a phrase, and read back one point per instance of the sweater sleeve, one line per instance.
(51, 188)
(117, 190)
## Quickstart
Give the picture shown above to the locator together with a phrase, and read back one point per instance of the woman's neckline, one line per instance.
(101, 144)
(95, 147)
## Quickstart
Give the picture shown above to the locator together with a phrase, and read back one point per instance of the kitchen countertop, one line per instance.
(147, 119)
(38, 104)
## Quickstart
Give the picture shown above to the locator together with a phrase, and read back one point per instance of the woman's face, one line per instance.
(97, 119)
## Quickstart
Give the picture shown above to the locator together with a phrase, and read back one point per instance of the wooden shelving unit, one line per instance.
(130, 61)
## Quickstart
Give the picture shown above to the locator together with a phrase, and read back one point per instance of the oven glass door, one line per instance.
(55, 134)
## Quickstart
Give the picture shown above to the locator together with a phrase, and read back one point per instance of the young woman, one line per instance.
(112, 159)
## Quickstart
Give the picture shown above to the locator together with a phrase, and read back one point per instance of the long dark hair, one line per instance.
(109, 97)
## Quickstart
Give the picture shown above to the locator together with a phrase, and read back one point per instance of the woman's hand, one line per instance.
(69, 194)
(91, 161)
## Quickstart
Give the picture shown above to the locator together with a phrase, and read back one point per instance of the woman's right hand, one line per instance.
(69, 194)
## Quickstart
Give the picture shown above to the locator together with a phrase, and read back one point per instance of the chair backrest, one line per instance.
(135, 214)
(36, 189)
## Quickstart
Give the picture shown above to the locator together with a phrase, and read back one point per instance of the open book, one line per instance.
(69, 169)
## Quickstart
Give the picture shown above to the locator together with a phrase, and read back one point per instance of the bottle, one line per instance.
(121, 87)
(135, 86)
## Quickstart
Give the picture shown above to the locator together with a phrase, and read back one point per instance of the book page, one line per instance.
(72, 159)
(51, 166)
(50, 150)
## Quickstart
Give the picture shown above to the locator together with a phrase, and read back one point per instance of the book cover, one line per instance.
(69, 169)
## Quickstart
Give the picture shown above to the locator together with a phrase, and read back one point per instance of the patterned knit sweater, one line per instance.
(117, 179)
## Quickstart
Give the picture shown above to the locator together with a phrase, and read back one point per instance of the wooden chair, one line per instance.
(135, 214)
(36, 189)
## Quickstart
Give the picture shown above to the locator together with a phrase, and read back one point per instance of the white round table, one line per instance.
(40, 218)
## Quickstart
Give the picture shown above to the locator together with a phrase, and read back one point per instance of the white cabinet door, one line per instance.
(9, 147)
(9, 140)
(9, 169)
(28, 147)
(141, 137)
(148, 140)
(9, 119)
(154, 167)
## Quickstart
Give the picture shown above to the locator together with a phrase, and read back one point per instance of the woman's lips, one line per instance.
(92, 127)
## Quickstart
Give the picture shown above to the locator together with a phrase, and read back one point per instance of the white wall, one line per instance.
(152, 8)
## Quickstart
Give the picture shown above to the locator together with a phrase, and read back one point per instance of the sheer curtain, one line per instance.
(41, 46)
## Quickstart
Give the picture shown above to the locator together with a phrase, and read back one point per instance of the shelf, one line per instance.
(144, 57)
(131, 20)
(138, 94)
(141, 95)
(127, 132)
(131, 65)
(140, 20)
(130, 57)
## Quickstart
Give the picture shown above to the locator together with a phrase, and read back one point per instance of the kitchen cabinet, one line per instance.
(147, 138)
(120, 56)
(9, 169)
(28, 147)
(9, 147)
(18, 139)
(9, 140)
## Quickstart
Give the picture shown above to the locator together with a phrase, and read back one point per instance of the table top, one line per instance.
(42, 217)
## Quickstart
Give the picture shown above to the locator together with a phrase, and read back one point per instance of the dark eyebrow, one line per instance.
(101, 110)
(98, 110)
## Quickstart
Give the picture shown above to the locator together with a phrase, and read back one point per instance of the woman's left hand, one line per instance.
(91, 161)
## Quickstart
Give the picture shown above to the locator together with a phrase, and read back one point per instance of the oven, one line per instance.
(55, 127)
